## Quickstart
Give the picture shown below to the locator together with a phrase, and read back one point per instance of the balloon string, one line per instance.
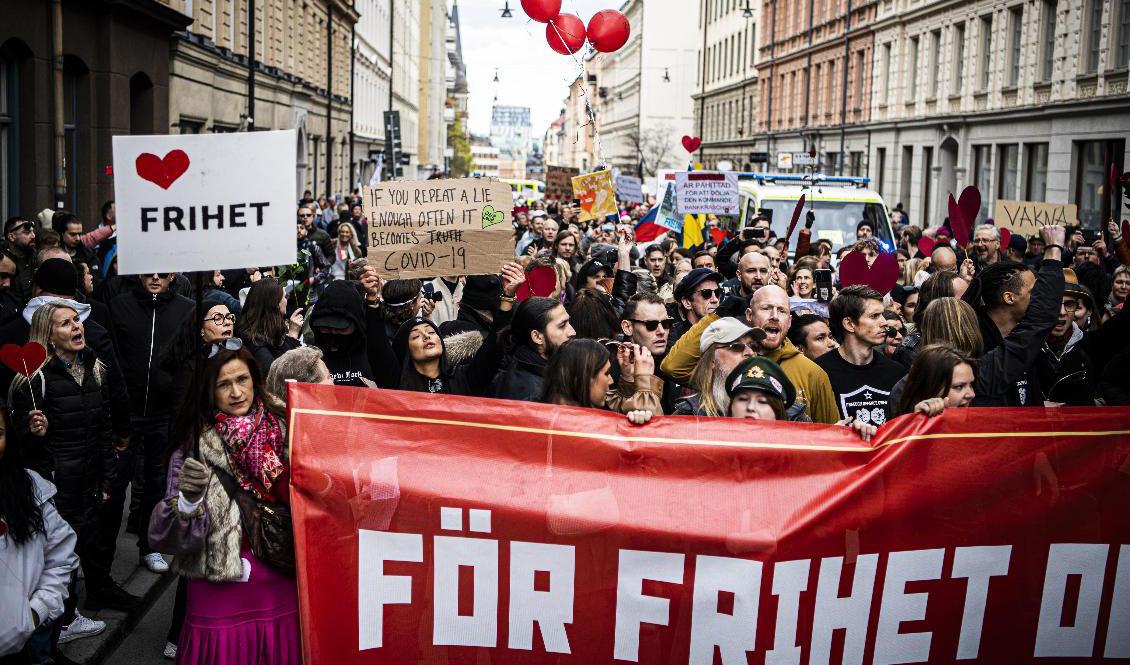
(584, 93)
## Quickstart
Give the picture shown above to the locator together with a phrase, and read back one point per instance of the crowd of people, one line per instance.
(748, 326)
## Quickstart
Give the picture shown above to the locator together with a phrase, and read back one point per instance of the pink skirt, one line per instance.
(242, 623)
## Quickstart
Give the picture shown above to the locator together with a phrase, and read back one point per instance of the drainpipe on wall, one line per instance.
(250, 64)
(60, 131)
(329, 95)
(843, 105)
(352, 64)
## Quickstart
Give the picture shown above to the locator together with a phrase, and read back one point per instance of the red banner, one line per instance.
(435, 529)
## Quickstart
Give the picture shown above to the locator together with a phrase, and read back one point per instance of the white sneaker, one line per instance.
(170, 651)
(81, 627)
(155, 563)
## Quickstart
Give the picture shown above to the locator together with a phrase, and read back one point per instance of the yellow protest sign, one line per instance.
(596, 194)
(439, 228)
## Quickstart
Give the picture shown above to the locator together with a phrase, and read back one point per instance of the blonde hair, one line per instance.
(712, 396)
(909, 270)
(953, 322)
(41, 329)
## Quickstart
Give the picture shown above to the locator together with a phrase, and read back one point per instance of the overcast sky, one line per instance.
(529, 72)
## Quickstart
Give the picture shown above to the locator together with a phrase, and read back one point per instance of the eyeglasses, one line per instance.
(894, 332)
(707, 294)
(305, 215)
(221, 319)
(161, 275)
(228, 343)
(21, 227)
(1071, 305)
(739, 347)
(652, 325)
(7, 275)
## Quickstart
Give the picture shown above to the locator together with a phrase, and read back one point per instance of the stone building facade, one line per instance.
(726, 97)
(301, 78)
(1026, 100)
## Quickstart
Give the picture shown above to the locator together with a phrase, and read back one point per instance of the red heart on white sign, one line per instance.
(162, 171)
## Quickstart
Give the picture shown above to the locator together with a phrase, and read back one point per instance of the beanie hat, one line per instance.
(482, 292)
(57, 276)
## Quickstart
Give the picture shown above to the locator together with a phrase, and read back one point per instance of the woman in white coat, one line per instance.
(37, 553)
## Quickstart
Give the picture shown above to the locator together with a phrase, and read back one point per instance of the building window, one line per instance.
(1123, 34)
(1036, 171)
(1047, 41)
(1093, 34)
(9, 140)
(858, 94)
(71, 75)
(935, 61)
(982, 173)
(1016, 25)
(816, 81)
(912, 71)
(1008, 156)
(986, 52)
(856, 164)
(958, 58)
(186, 126)
(884, 73)
(1093, 162)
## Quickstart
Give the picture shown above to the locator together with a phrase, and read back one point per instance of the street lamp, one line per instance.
(666, 75)
(506, 10)
(747, 12)
(496, 75)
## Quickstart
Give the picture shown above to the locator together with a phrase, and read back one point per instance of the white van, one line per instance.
(839, 204)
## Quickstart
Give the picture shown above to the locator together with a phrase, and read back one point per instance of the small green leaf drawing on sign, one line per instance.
(491, 216)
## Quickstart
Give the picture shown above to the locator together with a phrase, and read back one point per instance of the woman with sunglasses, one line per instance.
(580, 374)
(896, 332)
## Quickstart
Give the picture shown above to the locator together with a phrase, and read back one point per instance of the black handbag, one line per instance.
(266, 524)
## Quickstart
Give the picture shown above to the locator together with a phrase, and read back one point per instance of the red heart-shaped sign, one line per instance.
(797, 210)
(1006, 237)
(926, 245)
(162, 172)
(882, 275)
(25, 360)
(691, 143)
(970, 205)
(957, 217)
(540, 282)
(1126, 229)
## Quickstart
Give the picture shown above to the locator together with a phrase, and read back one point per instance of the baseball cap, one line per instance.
(726, 330)
(1018, 243)
(693, 278)
(761, 373)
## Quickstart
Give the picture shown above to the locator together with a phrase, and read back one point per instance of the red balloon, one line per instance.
(542, 11)
(565, 34)
(609, 30)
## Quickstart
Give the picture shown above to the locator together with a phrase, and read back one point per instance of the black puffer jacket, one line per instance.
(147, 329)
(77, 453)
(472, 377)
(521, 376)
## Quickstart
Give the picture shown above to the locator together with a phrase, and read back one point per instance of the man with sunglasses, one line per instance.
(697, 296)
(20, 234)
(314, 233)
(645, 322)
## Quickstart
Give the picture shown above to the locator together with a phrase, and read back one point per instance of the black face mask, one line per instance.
(333, 342)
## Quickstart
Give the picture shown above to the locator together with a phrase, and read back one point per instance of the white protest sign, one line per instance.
(665, 215)
(205, 201)
(706, 192)
(629, 188)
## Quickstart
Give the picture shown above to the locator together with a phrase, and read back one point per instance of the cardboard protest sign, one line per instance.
(707, 192)
(205, 202)
(597, 196)
(439, 228)
(559, 182)
(629, 188)
(1028, 217)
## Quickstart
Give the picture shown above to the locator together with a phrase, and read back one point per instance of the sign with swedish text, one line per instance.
(205, 202)
(439, 228)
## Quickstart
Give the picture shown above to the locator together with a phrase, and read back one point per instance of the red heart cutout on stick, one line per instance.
(957, 217)
(691, 143)
(540, 282)
(926, 245)
(25, 360)
(1114, 178)
(162, 171)
(1006, 237)
(1126, 230)
(970, 205)
(882, 275)
(796, 217)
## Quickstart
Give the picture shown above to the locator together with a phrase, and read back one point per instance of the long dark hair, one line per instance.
(593, 316)
(931, 375)
(531, 315)
(204, 413)
(260, 322)
(18, 506)
(570, 372)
